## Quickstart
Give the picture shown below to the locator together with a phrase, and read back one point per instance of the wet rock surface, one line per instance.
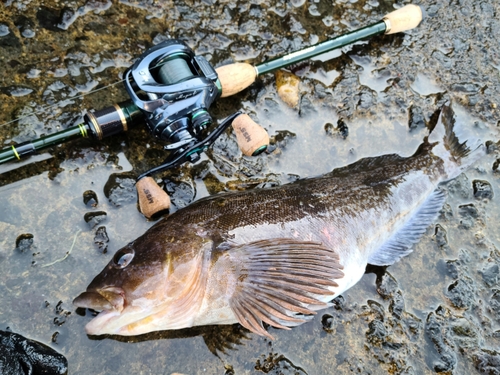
(436, 311)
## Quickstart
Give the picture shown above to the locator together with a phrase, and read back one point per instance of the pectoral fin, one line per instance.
(280, 281)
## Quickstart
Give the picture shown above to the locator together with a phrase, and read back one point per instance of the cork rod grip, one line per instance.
(405, 18)
(235, 77)
(251, 137)
(152, 198)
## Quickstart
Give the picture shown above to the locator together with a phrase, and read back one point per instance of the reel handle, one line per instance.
(251, 137)
(252, 140)
(152, 198)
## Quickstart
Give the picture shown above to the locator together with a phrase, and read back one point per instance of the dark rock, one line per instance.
(90, 198)
(24, 24)
(67, 17)
(387, 285)
(461, 293)
(282, 137)
(19, 355)
(397, 305)
(24, 243)
(487, 361)
(278, 365)
(482, 189)
(491, 274)
(339, 302)
(327, 321)
(181, 194)
(440, 236)
(342, 128)
(101, 239)
(416, 118)
(377, 309)
(120, 189)
(445, 356)
(48, 18)
(468, 214)
(10, 41)
(468, 210)
(94, 218)
(495, 165)
(376, 333)
(54, 337)
(329, 128)
(96, 27)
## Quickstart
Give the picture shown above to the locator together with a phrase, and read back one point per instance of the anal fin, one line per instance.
(401, 243)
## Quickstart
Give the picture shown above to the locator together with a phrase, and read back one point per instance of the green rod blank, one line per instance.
(28, 148)
(329, 45)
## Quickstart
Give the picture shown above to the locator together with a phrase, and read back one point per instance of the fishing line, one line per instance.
(42, 109)
(67, 252)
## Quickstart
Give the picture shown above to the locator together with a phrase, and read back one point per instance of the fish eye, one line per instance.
(123, 258)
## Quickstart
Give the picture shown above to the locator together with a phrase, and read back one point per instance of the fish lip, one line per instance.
(102, 299)
(96, 326)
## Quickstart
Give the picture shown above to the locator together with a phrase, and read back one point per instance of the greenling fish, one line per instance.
(277, 255)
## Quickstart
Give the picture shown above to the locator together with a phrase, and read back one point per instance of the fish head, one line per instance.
(155, 283)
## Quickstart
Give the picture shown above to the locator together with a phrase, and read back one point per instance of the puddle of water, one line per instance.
(425, 86)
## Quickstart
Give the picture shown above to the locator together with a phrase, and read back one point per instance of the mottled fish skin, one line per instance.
(196, 266)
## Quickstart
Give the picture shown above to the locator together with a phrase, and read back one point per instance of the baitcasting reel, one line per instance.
(171, 90)
(174, 88)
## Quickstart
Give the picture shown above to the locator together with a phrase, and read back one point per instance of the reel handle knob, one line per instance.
(152, 198)
(235, 77)
(251, 137)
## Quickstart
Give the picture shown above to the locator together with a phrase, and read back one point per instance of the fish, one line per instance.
(275, 256)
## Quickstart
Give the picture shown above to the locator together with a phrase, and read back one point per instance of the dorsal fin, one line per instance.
(400, 244)
(365, 164)
(280, 280)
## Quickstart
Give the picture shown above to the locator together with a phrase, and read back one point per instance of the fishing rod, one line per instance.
(238, 76)
(171, 90)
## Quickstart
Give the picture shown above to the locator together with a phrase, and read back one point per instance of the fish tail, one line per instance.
(456, 142)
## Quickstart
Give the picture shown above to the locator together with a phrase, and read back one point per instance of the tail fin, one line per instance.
(458, 145)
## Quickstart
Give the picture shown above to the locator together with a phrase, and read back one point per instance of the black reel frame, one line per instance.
(174, 88)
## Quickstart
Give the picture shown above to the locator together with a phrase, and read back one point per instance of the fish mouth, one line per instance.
(110, 301)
